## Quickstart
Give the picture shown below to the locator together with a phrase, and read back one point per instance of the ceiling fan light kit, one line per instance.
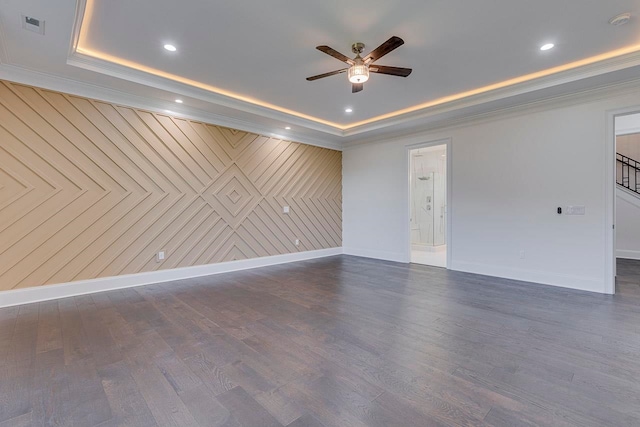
(358, 73)
(359, 68)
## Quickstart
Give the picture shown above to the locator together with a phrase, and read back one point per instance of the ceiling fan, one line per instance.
(359, 68)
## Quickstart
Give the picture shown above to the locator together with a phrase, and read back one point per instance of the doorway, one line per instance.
(619, 181)
(428, 206)
(627, 196)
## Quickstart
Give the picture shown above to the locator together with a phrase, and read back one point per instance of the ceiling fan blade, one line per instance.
(331, 52)
(386, 47)
(331, 73)
(392, 71)
(357, 87)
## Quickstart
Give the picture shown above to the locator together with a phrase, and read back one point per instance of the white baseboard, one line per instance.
(428, 248)
(627, 254)
(82, 287)
(383, 255)
(583, 283)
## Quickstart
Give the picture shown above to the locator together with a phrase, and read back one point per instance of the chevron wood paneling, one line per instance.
(90, 189)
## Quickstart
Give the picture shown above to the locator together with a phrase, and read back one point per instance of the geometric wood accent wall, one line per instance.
(90, 189)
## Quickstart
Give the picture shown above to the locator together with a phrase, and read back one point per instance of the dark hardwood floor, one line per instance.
(340, 341)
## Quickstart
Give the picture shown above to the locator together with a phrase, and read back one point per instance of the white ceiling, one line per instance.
(264, 50)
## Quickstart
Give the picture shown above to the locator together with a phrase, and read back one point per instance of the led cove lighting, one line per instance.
(547, 46)
(170, 47)
(179, 101)
(83, 47)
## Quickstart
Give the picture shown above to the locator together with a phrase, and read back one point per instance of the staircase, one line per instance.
(627, 207)
(628, 173)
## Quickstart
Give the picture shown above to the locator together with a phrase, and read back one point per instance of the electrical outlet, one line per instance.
(285, 209)
(297, 242)
(159, 256)
(522, 254)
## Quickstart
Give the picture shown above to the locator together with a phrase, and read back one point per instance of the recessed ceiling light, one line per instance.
(288, 128)
(179, 101)
(170, 47)
(348, 110)
(547, 46)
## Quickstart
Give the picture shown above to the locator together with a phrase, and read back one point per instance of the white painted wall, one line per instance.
(510, 173)
(375, 202)
(627, 225)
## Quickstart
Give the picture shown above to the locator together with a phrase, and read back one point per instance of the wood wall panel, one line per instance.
(90, 189)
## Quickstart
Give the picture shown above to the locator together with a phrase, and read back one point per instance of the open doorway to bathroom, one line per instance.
(428, 205)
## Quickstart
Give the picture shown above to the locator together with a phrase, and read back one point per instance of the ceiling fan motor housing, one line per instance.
(357, 48)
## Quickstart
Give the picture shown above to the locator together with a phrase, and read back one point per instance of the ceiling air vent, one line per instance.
(33, 24)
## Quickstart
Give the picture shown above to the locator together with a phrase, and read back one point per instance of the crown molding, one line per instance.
(413, 133)
(568, 76)
(418, 134)
(141, 77)
(61, 84)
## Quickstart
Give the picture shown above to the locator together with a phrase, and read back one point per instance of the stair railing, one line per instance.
(628, 173)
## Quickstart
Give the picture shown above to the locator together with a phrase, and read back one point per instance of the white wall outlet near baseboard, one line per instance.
(160, 256)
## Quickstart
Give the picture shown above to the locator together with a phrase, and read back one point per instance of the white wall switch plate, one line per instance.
(160, 256)
(576, 210)
(297, 242)
(35, 25)
(285, 209)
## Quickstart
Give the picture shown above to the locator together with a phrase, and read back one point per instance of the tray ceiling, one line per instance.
(253, 57)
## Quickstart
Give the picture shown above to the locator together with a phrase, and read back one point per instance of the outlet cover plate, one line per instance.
(575, 210)
(32, 24)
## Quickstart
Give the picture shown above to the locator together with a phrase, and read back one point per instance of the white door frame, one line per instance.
(446, 142)
(610, 197)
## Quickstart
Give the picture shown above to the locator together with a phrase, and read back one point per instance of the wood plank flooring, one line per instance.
(340, 341)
